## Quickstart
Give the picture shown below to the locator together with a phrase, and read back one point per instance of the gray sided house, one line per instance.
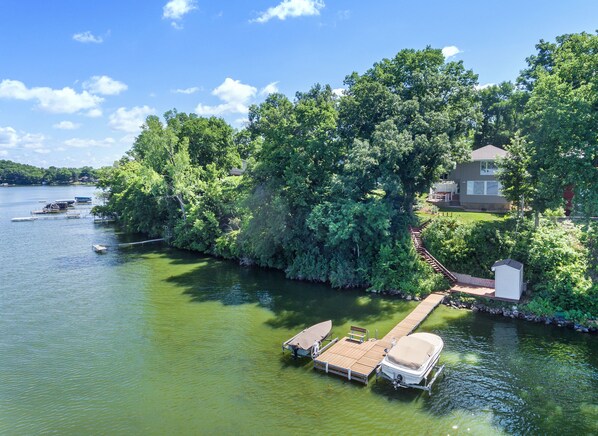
(473, 185)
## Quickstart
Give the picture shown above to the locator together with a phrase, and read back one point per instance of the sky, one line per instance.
(79, 77)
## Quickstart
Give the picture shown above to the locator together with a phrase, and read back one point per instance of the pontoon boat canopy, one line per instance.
(411, 352)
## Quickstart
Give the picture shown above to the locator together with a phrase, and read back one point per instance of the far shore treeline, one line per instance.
(14, 173)
(330, 182)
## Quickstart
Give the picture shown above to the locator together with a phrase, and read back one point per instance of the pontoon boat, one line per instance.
(412, 360)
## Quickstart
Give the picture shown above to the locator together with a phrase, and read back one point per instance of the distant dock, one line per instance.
(130, 244)
(356, 360)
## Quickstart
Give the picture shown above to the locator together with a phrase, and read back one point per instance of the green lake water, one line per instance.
(149, 340)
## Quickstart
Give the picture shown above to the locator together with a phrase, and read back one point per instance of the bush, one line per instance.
(558, 266)
(398, 267)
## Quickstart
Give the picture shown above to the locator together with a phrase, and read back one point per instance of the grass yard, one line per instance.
(462, 216)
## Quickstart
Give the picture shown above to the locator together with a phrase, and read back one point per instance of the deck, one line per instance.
(357, 361)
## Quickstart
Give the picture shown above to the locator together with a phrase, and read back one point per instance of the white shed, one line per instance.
(508, 279)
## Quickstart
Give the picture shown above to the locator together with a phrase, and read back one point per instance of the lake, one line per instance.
(151, 340)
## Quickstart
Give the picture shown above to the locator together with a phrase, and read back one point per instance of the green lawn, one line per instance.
(462, 216)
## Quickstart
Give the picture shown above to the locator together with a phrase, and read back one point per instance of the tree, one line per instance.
(514, 175)
(210, 140)
(562, 122)
(418, 108)
(502, 110)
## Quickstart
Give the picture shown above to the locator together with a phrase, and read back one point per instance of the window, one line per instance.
(491, 188)
(488, 168)
(478, 188)
(483, 187)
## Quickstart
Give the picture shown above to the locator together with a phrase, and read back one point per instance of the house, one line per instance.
(508, 280)
(473, 184)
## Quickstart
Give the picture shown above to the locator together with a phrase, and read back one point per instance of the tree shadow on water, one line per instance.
(294, 304)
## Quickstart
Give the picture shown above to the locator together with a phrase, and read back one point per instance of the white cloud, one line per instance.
(32, 140)
(86, 37)
(176, 9)
(66, 125)
(130, 120)
(450, 51)
(104, 85)
(484, 86)
(10, 138)
(65, 100)
(86, 143)
(94, 113)
(339, 92)
(235, 96)
(270, 88)
(191, 90)
(42, 150)
(3, 153)
(291, 8)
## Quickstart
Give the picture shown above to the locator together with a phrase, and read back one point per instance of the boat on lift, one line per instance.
(83, 200)
(308, 342)
(413, 361)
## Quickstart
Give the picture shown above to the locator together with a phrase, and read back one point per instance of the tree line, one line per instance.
(14, 173)
(331, 181)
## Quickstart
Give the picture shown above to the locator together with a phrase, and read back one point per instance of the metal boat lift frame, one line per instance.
(427, 386)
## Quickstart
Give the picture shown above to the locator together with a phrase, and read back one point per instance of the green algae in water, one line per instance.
(156, 341)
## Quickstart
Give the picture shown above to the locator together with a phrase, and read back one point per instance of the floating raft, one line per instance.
(357, 361)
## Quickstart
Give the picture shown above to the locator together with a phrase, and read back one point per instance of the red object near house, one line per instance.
(568, 195)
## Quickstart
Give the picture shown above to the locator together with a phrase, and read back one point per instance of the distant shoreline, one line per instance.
(7, 185)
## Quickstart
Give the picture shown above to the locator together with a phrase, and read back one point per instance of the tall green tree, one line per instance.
(502, 112)
(514, 175)
(417, 108)
(562, 122)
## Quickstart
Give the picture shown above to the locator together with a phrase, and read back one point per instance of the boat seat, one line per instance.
(357, 334)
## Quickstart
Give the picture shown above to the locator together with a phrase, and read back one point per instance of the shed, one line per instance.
(508, 282)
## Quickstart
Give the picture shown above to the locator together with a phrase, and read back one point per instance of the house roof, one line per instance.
(488, 152)
(508, 262)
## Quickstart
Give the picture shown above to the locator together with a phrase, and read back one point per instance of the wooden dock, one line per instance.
(131, 244)
(356, 360)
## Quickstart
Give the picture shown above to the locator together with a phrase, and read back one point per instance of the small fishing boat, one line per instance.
(412, 360)
(309, 341)
(98, 248)
(23, 219)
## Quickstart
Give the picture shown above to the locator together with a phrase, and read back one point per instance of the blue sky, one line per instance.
(77, 77)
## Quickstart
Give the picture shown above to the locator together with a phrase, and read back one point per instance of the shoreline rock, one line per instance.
(514, 312)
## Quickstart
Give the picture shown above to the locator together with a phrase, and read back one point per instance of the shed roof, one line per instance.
(508, 262)
(488, 152)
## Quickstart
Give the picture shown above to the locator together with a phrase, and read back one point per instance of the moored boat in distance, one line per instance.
(411, 360)
(99, 248)
(83, 200)
(49, 208)
(309, 341)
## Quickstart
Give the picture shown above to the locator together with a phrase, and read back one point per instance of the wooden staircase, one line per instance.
(425, 254)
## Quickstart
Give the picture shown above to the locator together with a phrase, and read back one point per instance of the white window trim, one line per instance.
(470, 184)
